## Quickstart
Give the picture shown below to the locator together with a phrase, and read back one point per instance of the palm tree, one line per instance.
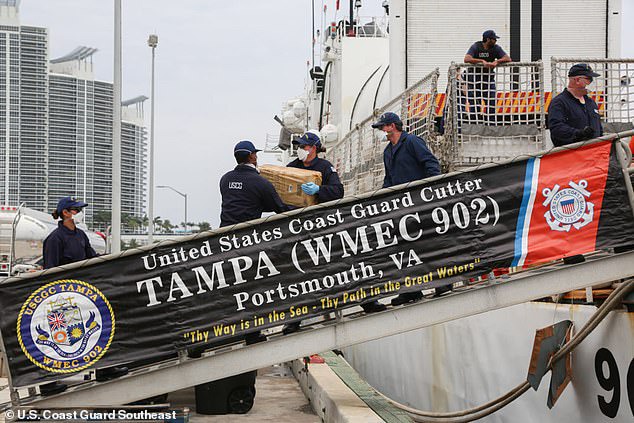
(158, 223)
(167, 226)
(145, 221)
(204, 226)
(102, 218)
(132, 222)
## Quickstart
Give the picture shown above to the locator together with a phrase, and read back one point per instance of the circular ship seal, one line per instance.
(65, 326)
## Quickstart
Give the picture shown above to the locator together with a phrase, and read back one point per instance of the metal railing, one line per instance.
(612, 90)
(363, 26)
(494, 114)
(358, 157)
(14, 225)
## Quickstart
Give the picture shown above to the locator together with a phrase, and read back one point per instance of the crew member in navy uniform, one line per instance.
(481, 82)
(406, 158)
(245, 195)
(572, 115)
(68, 244)
(331, 188)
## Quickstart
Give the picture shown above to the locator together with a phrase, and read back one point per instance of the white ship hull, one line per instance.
(470, 361)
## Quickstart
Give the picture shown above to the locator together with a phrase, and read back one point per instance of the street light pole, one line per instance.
(116, 133)
(152, 42)
(183, 195)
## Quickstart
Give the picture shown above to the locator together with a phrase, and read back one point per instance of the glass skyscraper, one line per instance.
(23, 111)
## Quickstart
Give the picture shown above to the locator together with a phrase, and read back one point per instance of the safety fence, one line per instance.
(485, 115)
(494, 114)
(358, 157)
(613, 89)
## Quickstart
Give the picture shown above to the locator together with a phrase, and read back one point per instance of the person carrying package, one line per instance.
(245, 196)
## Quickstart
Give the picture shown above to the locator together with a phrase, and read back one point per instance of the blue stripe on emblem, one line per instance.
(524, 218)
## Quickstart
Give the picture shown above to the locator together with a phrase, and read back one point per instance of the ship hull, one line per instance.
(470, 361)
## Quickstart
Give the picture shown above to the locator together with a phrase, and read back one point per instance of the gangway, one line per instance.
(347, 329)
(352, 327)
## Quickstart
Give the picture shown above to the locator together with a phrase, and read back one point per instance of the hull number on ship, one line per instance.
(608, 376)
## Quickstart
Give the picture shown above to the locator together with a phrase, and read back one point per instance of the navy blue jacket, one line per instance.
(331, 187)
(63, 246)
(408, 160)
(567, 117)
(245, 195)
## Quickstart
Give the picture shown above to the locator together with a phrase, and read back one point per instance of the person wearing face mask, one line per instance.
(406, 158)
(308, 146)
(68, 244)
(572, 115)
(331, 188)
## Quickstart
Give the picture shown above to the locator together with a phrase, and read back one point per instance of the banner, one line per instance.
(146, 305)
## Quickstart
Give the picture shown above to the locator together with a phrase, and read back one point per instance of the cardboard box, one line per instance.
(287, 182)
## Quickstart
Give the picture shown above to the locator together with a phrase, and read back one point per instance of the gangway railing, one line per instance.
(613, 89)
(494, 114)
(358, 157)
(348, 330)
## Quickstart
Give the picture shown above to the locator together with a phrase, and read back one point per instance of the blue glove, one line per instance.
(310, 188)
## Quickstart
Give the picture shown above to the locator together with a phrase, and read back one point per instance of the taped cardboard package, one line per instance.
(287, 182)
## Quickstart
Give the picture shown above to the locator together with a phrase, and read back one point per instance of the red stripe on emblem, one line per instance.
(588, 164)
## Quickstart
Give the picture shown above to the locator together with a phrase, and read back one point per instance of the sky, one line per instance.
(223, 70)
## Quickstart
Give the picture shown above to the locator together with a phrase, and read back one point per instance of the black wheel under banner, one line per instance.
(241, 399)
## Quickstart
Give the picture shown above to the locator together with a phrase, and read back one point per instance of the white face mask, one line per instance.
(302, 154)
(79, 218)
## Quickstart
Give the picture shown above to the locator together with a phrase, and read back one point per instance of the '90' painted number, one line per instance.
(607, 372)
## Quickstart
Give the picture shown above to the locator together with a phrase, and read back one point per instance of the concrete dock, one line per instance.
(325, 390)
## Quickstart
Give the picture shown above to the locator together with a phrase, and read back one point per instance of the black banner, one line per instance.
(148, 304)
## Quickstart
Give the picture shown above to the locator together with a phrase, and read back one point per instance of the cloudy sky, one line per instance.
(223, 70)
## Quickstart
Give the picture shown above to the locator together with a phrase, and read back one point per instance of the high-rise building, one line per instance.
(134, 150)
(23, 110)
(56, 127)
(71, 146)
(80, 139)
